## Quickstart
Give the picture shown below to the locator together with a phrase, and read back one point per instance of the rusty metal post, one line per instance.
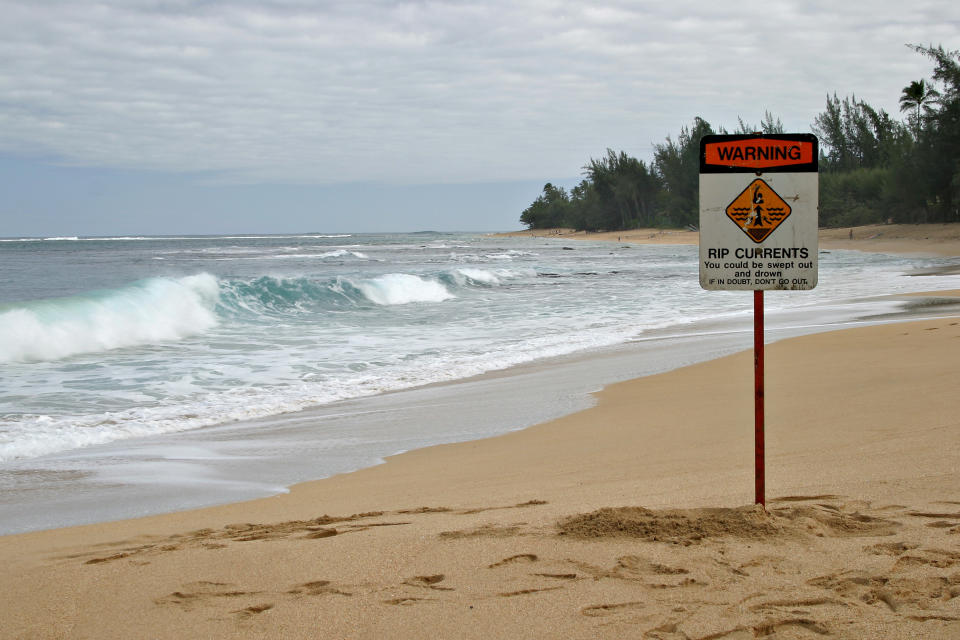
(759, 471)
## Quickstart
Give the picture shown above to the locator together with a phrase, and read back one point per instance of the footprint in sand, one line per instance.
(428, 582)
(640, 565)
(890, 548)
(317, 588)
(486, 530)
(424, 510)
(901, 594)
(636, 569)
(907, 563)
(253, 610)
(475, 510)
(825, 520)
(521, 557)
(848, 584)
(666, 631)
(824, 496)
(933, 514)
(766, 563)
(196, 593)
(523, 592)
(407, 601)
(126, 552)
(599, 610)
(796, 603)
(769, 628)
(116, 556)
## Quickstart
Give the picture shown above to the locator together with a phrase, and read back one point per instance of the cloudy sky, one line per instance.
(234, 116)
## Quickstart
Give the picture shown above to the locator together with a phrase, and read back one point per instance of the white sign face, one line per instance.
(758, 212)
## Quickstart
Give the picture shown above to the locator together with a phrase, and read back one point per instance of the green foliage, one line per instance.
(938, 140)
(767, 125)
(872, 167)
(548, 210)
(623, 190)
(677, 164)
(916, 96)
(853, 198)
(853, 135)
(619, 192)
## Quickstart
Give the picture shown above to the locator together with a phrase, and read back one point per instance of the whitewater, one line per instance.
(109, 343)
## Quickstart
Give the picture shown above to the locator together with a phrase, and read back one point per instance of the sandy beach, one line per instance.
(631, 519)
(904, 239)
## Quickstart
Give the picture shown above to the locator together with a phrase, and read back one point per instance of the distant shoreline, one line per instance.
(906, 239)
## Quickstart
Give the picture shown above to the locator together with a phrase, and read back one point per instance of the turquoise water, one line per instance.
(141, 375)
(106, 339)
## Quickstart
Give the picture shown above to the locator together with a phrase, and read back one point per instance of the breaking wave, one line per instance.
(145, 312)
(403, 288)
(158, 310)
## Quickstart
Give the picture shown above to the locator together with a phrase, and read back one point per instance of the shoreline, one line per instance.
(464, 539)
(363, 551)
(903, 239)
(222, 464)
(911, 313)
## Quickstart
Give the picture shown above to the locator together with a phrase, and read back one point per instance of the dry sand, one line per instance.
(910, 239)
(918, 239)
(631, 519)
(632, 236)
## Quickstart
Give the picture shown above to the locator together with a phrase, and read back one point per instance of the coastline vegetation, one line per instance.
(873, 167)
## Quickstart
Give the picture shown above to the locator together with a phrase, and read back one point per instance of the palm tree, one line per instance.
(916, 95)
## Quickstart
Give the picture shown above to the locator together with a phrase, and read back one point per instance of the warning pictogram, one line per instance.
(758, 210)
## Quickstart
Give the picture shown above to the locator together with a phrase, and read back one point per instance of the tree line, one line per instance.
(873, 167)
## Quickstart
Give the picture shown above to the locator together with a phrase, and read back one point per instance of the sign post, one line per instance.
(759, 450)
(759, 205)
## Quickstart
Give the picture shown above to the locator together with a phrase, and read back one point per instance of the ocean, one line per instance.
(145, 374)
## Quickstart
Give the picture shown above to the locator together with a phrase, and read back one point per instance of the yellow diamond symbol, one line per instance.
(758, 210)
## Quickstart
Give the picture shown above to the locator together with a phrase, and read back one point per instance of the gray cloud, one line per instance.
(426, 92)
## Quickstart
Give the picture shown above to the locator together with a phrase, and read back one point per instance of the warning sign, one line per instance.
(753, 152)
(758, 211)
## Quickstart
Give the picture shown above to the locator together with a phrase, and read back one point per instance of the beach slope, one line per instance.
(629, 519)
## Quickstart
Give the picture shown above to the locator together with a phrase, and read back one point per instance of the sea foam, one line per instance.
(145, 312)
(403, 288)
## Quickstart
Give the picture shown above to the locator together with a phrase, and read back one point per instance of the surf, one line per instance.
(145, 312)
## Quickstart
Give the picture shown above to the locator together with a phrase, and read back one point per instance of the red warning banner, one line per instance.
(759, 153)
